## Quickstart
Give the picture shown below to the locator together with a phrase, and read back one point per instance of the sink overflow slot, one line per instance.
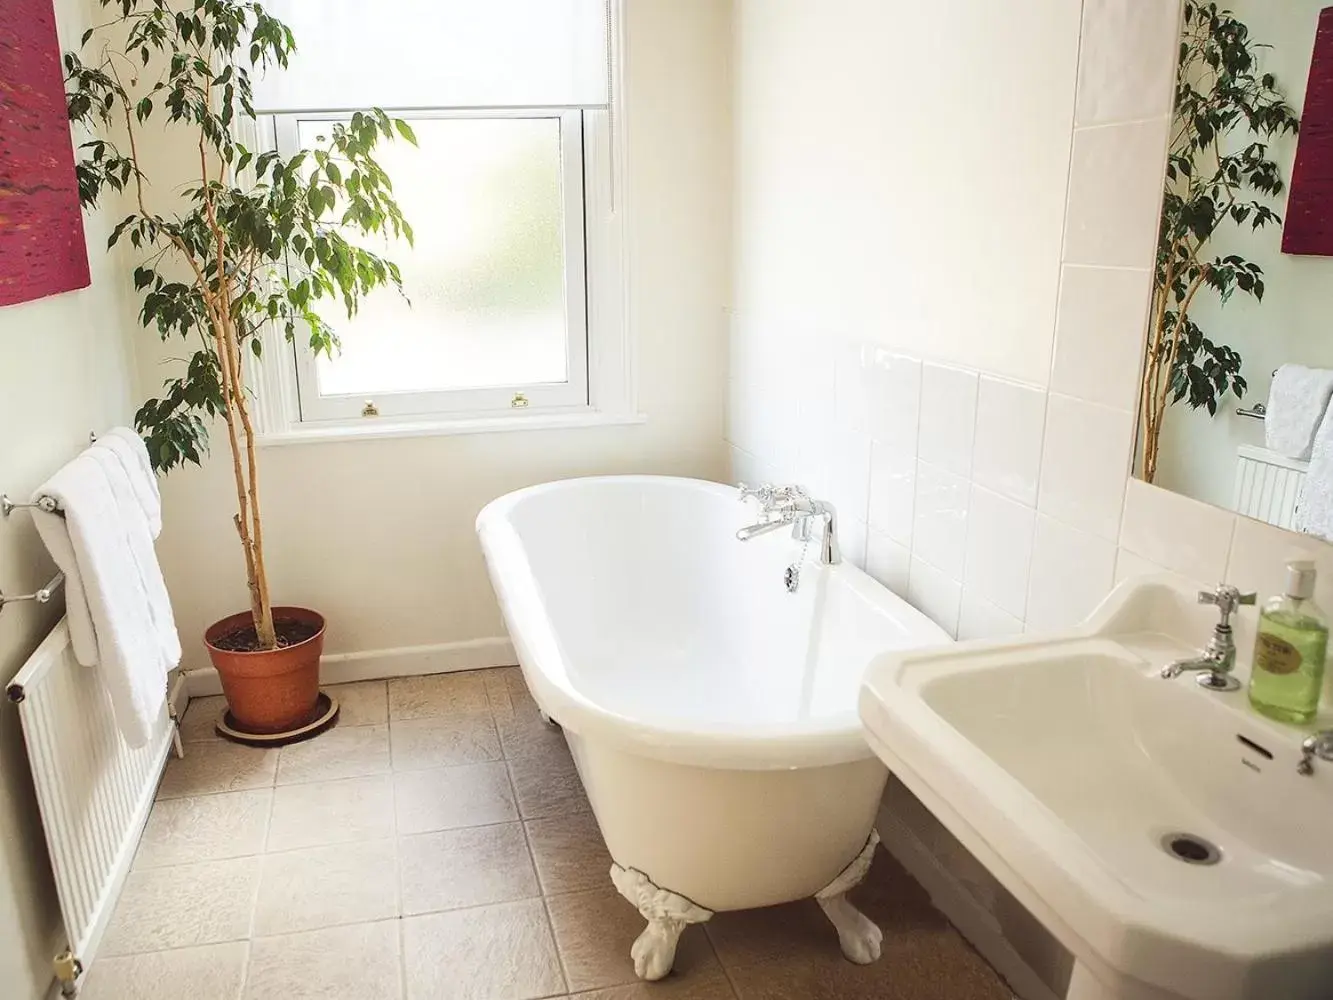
(1191, 849)
(1250, 744)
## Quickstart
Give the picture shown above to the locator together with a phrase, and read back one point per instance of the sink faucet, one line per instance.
(1218, 659)
(1319, 745)
(780, 506)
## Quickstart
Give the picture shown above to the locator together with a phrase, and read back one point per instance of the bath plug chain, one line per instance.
(791, 579)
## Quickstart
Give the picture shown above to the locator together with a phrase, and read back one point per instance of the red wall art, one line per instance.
(1308, 228)
(42, 250)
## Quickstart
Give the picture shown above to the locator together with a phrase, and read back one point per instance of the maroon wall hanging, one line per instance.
(42, 250)
(1308, 228)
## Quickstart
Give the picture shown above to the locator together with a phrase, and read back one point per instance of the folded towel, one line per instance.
(140, 538)
(129, 448)
(92, 543)
(1314, 510)
(1297, 401)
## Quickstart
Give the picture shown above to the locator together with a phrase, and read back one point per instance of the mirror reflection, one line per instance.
(1238, 368)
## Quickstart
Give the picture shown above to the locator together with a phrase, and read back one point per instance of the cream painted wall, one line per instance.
(903, 173)
(1198, 456)
(379, 534)
(65, 370)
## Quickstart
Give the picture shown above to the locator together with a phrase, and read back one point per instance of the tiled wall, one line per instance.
(991, 505)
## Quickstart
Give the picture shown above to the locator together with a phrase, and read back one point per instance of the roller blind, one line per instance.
(404, 54)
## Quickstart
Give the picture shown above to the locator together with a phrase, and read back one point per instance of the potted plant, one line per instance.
(254, 243)
(1211, 182)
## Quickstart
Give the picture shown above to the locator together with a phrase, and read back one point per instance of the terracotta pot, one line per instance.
(274, 690)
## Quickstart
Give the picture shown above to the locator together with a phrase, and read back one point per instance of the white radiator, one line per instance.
(1268, 485)
(94, 791)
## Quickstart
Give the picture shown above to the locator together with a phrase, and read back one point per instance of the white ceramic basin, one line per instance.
(1062, 762)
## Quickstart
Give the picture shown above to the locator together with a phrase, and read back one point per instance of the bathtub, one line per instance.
(711, 713)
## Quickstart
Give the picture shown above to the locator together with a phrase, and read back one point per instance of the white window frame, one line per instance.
(570, 395)
(611, 364)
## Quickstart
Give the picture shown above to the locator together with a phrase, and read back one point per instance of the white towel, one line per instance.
(92, 543)
(129, 448)
(1297, 401)
(139, 535)
(1314, 512)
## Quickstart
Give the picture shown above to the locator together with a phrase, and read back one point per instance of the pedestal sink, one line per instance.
(1160, 831)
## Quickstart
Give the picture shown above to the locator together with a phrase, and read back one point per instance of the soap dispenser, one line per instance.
(1289, 651)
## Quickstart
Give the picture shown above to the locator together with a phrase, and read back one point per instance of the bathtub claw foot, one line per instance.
(668, 914)
(860, 939)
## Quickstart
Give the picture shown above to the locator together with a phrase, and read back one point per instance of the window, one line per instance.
(515, 281)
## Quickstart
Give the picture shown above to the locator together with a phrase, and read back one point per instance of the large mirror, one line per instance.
(1238, 369)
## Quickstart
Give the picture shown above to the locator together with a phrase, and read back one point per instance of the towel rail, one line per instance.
(40, 596)
(48, 504)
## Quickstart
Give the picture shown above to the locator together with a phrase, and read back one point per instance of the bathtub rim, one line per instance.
(826, 741)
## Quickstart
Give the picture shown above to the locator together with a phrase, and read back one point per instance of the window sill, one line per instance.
(388, 428)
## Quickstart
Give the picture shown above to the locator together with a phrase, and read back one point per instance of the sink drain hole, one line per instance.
(1191, 849)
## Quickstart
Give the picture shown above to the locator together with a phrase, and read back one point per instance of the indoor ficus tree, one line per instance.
(1218, 171)
(252, 243)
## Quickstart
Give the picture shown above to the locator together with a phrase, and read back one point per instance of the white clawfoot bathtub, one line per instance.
(711, 714)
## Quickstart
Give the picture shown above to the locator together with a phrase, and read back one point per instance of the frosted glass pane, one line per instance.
(439, 54)
(486, 279)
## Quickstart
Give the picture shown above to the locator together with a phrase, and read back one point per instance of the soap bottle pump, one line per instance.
(1289, 651)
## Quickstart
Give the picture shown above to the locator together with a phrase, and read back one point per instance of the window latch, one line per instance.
(370, 409)
(519, 401)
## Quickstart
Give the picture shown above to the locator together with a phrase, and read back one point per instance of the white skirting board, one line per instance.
(377, 664)
(971, 919)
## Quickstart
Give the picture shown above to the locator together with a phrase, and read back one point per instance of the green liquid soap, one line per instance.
(1290, 652)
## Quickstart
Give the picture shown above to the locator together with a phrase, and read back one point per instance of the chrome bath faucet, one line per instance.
(780, 506)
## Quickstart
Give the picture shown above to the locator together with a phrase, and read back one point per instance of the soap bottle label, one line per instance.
(1275, 655)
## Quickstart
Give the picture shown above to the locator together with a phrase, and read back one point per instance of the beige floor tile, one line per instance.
(327, 886)
(438, 695)
(500, 682)
(363, 703)
(343, 752)
(547, 785)
(502, 952)
(209, 972)
(791, 952)
(185, 905)
(523, 733)
(200, 715)
(450, 797)
(420, 744)
(357, 962)
(594, 931)
(205, 828)
(331, 812)
(218, 766)
(474, 866)
(569, 853)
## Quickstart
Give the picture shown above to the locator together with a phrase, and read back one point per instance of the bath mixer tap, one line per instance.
(1218, 659)
(780, 506)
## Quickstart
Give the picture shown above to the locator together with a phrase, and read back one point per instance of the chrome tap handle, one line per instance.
(761, 493)
(1226, 598)
(1319, 745)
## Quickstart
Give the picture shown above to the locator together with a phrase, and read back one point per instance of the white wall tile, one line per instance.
(1084, 464)
(852, 534)
(1072, 571)
(894, 404)
(1099, 334)
(999, 550)
(852, 388)
(1260, 553)
(979, 619)
(939, 524)
(934, 595)
(892, 492)
(846, 484)
(948, 418)
(1180, 534)
(888, 562)
(1115, 188)
(1007, 455)
(1130, 564)
(1127, 58)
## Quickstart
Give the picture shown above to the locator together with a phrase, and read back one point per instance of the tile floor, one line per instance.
(437, 845)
